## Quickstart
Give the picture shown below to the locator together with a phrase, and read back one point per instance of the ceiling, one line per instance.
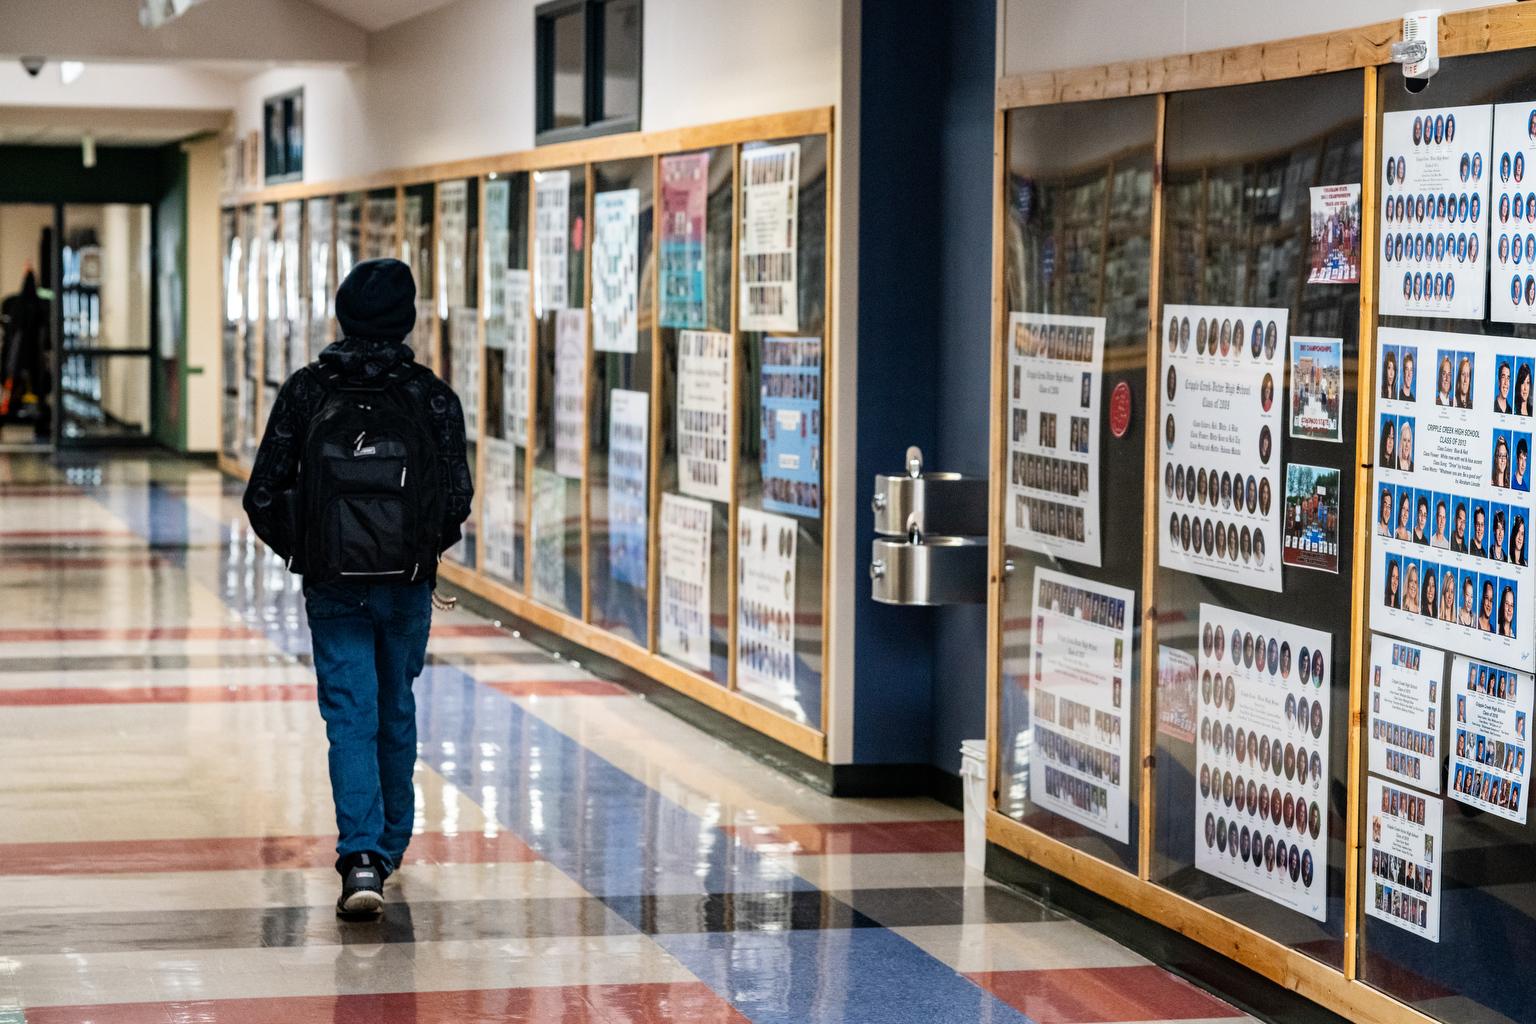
(373, 15)
(65, 126)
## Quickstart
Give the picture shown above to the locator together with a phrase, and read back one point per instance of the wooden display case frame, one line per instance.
(809, 739)
(1366, 51)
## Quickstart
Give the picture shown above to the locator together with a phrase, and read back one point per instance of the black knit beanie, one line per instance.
(377, 300)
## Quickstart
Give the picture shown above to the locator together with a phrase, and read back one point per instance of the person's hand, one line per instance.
(443, 602)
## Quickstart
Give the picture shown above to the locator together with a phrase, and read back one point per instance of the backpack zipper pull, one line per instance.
(357, 446)
(402, 475)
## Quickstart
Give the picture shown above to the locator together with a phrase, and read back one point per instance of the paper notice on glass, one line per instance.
(1491, 725)
(1403, 847)
(1335, 234)
(1261, 817)
(1081, 701)
(320, 214)
(1433, 200)
(629, 428)
(514, 374)
(686, 524)
(1220, 513)
(551, 227)
(464, 360)
(1405, 712)
(1512, 213)
(1177, 687)
(684, 208)
(452, 245)
(704, 414)
(1317, 388)
(770, 185)
(1312, 517)
(1453, 494)
(499, 509)
(570, 389)
(379, 227)
(348, 239)
(548, 538)
(498, 239)
(765, 613)
(791, 426)
(615, 270)
(1055, 372)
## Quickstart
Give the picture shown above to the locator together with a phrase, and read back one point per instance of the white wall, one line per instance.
(162, 86)
(21, 228)
(457, 82)
(1048, 35)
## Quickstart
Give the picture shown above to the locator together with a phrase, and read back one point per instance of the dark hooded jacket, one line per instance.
(356, 360)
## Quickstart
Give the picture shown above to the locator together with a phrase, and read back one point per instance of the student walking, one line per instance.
(360, 483)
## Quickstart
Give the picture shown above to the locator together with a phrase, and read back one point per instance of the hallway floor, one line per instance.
(580, 855)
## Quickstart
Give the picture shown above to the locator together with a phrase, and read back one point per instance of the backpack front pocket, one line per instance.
(370, 534)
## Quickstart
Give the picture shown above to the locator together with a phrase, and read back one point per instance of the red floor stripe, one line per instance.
(559, 688)
(858, 837)
(38, 635)
(61, 534)
(64, 695)
(239, 853)
(691, 1001)
(1096, 994)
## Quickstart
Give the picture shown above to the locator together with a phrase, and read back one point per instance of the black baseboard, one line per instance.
(1241, 986)
(845, 780)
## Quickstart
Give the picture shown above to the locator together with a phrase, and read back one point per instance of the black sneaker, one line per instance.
(362, 886)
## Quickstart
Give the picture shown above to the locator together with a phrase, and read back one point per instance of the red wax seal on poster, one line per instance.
(1120, 409)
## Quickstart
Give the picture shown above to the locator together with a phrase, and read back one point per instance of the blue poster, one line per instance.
(791, 426)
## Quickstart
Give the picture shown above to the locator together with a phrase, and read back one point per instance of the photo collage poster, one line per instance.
(1490, 766)
(1178, 689)
(1403, 847)
(1317, 389)
(322, 290)
(1312, 495)
(1512, 213)
(1433, 200)
(514, 373)
(1261, 820)
(684, 626)
(765, 612)
(570, 390)
(464, 361)
(1080, 702)
(629, 431)
(683, 267)
(415, 251)
(616, 270)
(704, 414)
(551, 226)
(378, 227)
(497, 240)
(769, 244)
(547, 536)
(1453, 494)
(1335, 234)
(498, 508)
(1055, 376)
(791, 426)
(1404, 712)
(1221, 442)
(452, 245)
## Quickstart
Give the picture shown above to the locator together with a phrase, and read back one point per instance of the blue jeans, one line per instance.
(370, 643)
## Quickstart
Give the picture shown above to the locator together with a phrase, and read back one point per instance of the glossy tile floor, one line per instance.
(580, 855)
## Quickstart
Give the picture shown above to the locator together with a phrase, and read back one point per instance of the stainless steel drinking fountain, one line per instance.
(934, 545)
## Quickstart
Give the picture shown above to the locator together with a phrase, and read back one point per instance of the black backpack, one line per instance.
(370, 494)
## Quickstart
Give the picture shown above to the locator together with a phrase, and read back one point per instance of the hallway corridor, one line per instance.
(580, 855)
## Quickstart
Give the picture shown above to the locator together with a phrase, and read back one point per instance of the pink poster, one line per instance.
(684, 202)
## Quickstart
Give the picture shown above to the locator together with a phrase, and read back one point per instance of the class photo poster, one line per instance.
(1404, 711)
(1177, 693)
(1403, 848)
(1512, 223)
(616, 270)
(1312, 517)
(1219, 423)
(1080, 701)
(551, 226)
(765, 609)
(1435, 212)
(1451, 509)
(1317, 389)
(1261, 820)
(769, 242)
(1055, 376)
(684, 626)
(1335, 234)
(1490, 728)
(682, 268)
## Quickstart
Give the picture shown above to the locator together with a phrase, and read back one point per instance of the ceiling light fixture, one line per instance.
(88, 150)
(70, 71)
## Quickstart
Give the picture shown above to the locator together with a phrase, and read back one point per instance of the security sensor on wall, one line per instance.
(33, 65)
(1419, 52)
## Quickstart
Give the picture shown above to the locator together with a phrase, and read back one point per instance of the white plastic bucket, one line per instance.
(973, 778)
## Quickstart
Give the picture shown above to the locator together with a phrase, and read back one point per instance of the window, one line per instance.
(283, 121)
(588, 68)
